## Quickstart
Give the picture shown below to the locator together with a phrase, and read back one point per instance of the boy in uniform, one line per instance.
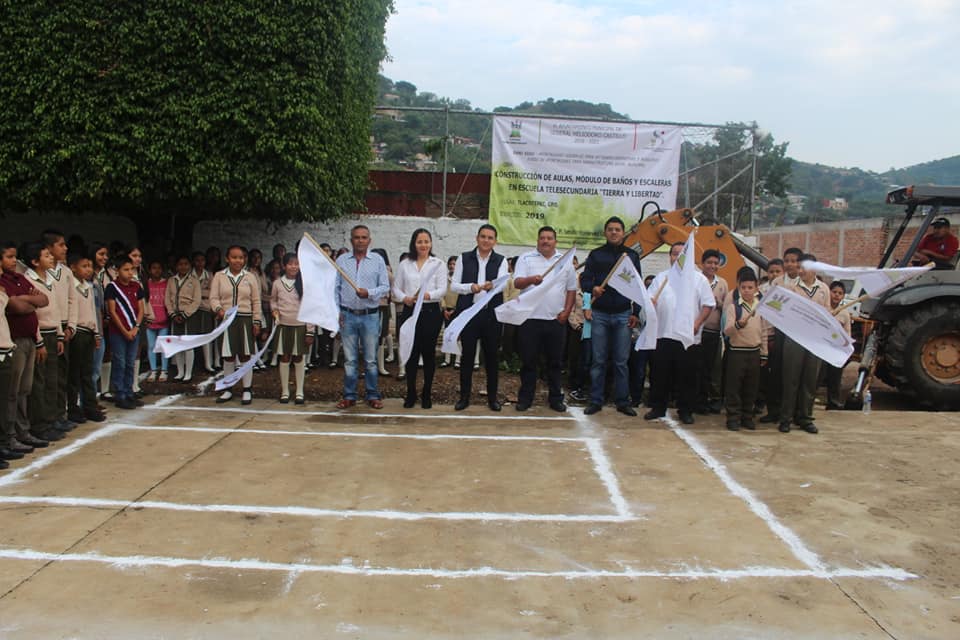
(834, 374)
(743, 329)
(81, 394)
(65, 294)
(791, 275)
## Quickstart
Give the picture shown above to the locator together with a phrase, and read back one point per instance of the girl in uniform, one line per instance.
(235, 286)
(294, 338)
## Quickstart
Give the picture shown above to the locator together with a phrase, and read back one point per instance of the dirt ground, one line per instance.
(190, 519)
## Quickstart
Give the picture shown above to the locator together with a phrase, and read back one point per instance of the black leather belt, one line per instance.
(361, 312)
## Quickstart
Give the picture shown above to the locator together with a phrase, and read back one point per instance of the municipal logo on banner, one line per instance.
(574, 174)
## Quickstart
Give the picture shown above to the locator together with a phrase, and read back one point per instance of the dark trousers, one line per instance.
(43, 395)
(742, 377)
(709, 387)
(574, 339)
(63, 373)
(799, 373)
(80, 392)
(774, 381)
(673, 367)
(485, 329)
(424, 345)
(833, 376)
(638, 373)
(7, 432)
(24, 361)
(536, 338)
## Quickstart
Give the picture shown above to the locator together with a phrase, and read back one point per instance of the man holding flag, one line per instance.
(544, 329)
(612, 316)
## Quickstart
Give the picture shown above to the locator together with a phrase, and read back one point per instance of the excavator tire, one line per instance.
(922, 354)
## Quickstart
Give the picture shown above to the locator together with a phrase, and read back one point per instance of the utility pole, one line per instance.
(716, 185)
(446, 141)
(753, 185)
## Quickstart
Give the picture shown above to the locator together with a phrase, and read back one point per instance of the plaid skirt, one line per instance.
(238, 340)
(291, 340)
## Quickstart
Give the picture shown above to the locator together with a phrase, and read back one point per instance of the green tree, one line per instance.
(235, 107)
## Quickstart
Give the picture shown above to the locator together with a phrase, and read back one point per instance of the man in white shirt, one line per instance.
(475, 272)
(673, 367)
(544, 332)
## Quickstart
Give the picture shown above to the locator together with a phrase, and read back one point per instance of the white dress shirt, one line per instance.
(534, 263)
(667, 301)
(463, 288)
(408, 280)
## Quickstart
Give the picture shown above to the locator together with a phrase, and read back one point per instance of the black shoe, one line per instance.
(51, 435)
(31, 440)
(784, 427)
(409, 402)
(558, 406)
(64, 426)
(733, 425)
(523, 406)
(702, 410)
(19, 447)
(76, 418)
(592, 409)
(4, 464)
(299, 400)
(284, 399)
(627, 410)
(769, 419)
(426, 403)
(810, 428)
(494, 405)
(10, 454)
(578, 395)
(126, 403)
(715, 407)
(246, 397)
(137, 402)
(653, 414)
(834, 407)
(687, 418)
(462, 404)
(95, 416)
(748, 424)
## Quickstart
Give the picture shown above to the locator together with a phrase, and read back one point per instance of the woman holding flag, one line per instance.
(420, 275)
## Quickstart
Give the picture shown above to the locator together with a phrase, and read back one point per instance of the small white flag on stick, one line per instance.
(319, 274)
(480, 300)
(518, 310)
(229, 380)
(808, 324)
(169, 346)
(409, 328)
(628, 282)
(873, 281)
(682, 278)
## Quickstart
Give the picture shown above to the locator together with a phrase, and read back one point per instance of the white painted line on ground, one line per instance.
(352, 434)
(163, 402)
(129, 562)
(49, 458)
(349, 414)
(311, 512)
(791, 539)
(601, 462)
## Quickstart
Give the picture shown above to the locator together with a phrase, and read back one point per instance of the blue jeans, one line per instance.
(611, 339)
(158, 361)
(360, 332)
(123, 355)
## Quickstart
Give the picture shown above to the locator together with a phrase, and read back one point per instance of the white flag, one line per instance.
(480, 300)
(409, 328)
(873, 281)
(628, 282)
(682, 279)
(318, 304)
(172, 345)
(517, 311)
(808, 324)
(229, 380)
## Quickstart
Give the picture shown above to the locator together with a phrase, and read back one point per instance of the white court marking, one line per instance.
(350, 414)
(816, 567)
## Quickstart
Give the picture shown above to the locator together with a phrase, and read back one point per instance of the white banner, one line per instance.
(574, 174)
(808, 324)
(228, 381)
(517, 311)
(319, 302)
(409, 328)
(626, 279)
(172, 345)
(452, 333)
(873, 281)
(682, 283)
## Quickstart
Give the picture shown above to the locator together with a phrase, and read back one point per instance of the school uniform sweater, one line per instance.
(86, 307)
(48, 317)
(242, 290)
(285, 304)
(65, 293)
(183, 296)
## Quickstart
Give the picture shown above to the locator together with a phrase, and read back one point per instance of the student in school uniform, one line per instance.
(833, 375)
(409, 281)
(743, 330)
(44, 413)
(10, 446)
(800, 367)
(182, 302)
(159, 324)
(294, 338)
(204, 319)
(99, 255)
(708, 369)
(81, 396)
(235, 286)
(65, 294)
(21, 314)
(789, 278)
(126, 308)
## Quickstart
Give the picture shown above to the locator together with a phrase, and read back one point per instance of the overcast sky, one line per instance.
(848, 83)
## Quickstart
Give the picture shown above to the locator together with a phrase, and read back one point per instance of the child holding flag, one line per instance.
(743, 330)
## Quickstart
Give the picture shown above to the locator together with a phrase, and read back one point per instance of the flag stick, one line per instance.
(656, 296)
(547, 272)
(612, 271)
(335, 265)
(851, 303)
